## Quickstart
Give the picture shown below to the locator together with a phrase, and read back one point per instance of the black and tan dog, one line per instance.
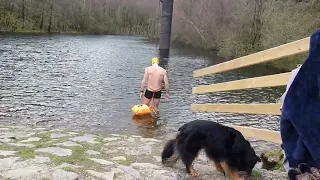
(225, 146)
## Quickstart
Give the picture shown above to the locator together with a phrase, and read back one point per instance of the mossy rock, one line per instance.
(273, 160)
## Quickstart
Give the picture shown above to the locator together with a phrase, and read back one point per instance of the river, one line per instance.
(92, 82)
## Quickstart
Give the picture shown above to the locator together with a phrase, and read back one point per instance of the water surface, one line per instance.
(92, 82)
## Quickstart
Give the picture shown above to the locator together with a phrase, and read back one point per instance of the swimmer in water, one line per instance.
(154, 74)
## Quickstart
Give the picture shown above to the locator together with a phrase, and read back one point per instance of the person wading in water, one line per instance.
(154, 74)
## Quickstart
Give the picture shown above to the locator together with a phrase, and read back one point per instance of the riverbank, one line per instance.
(39, 153)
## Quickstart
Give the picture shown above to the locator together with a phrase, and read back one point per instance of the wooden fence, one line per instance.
(277, 53)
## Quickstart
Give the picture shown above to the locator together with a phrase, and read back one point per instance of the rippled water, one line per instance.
(92, 82)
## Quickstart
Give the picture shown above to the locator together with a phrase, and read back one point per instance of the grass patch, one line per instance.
(7, 147)
(68, 169)
(100, 139)
(77, 157)
(256, 174)
(26, 153)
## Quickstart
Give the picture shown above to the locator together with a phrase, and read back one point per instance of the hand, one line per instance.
(141, 95)
(167, 96)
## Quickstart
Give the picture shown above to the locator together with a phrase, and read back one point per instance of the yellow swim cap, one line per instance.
(155, 60)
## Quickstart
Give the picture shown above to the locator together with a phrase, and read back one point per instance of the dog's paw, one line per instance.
(194, 173)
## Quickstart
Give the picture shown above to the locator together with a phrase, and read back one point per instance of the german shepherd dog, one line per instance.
(225, 146)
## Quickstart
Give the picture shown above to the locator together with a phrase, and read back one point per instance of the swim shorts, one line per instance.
(149, 94)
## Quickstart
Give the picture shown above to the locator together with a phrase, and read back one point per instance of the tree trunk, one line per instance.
(23, 14)
(51, 17)
(42, 19)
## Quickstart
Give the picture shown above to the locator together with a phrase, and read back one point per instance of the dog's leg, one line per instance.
(233, 174)
(219, 167)
(188, 158)
(193, 172)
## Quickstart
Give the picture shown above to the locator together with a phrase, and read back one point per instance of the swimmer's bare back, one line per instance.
(155, 75)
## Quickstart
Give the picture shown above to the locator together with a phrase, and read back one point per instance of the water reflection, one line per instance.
(146, 125)
(164, 62)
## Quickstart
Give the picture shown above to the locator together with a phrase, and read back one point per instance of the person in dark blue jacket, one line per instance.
(300, 118)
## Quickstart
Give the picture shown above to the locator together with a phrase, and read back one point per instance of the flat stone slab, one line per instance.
(58, 136)
(73, 133)
(6, 163)
(90, 152)
(119, 158)
(41, 160)
(40, 129)
(145, 166)
(7, 153)
(88, 139)
(110, 139)
(66, 165)
(32, 139)
(60, 174)
(24, 173)
(131, 139)
(5, 140)
(22, 145)
(102, 161)
(4, 129)
(135, 151)
(118, 135)
(129, 170)
(134, 136)
(68, 144)
(157, 158)
(56, 151)
(105, 176)
(149, 140)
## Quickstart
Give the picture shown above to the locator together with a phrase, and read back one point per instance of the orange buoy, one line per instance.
(141, 109)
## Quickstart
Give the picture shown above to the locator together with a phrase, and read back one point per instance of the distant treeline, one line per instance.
(232, 27)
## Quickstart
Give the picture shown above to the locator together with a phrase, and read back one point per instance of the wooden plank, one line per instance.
(267, 109)
(258, 82)
(260, 134)
(276, 53)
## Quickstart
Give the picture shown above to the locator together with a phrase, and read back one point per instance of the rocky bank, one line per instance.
(43, 154)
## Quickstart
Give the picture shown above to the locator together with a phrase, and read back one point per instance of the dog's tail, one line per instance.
(170, 154)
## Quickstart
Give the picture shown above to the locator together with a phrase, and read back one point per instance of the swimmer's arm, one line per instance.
(144, 80)
(166, 81)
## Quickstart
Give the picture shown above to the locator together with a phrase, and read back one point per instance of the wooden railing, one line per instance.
(277, 53)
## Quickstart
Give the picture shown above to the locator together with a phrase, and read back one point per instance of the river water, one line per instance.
(92, 82)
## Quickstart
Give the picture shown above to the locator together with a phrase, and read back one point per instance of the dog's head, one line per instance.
(245, 156)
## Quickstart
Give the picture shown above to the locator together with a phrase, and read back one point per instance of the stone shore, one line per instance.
(43, 154)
